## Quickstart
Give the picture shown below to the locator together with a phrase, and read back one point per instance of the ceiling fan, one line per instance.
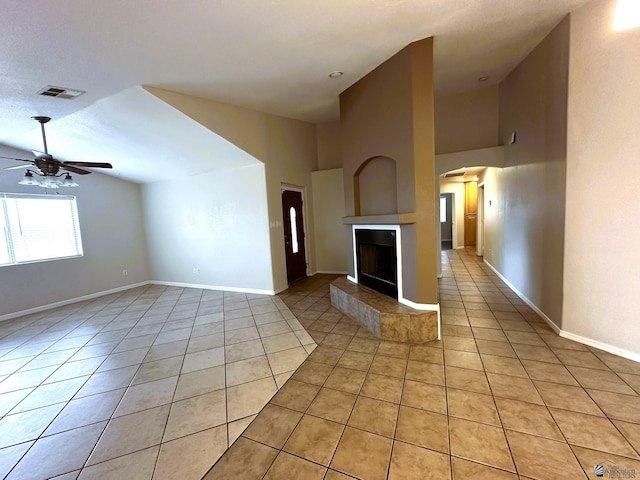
(49, 168)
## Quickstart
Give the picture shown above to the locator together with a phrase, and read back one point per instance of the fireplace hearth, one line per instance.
(376, 260)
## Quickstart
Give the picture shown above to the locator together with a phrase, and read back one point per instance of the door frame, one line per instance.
(480, 227)
(305, 213)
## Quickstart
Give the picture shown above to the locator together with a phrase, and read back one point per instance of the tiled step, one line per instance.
(383, 316)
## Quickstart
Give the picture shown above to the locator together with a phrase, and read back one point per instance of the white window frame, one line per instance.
(10, 230)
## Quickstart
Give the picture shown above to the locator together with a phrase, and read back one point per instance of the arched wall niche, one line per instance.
(375, 187)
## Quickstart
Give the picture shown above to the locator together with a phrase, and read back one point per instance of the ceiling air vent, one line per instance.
(60, 92)
(454, 174)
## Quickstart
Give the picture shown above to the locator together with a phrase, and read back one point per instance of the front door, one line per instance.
(294, 235)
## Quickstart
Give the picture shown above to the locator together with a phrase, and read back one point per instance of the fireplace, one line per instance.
(376, 260)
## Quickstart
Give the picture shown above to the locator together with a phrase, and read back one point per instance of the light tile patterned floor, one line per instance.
(500, 397)
(154, 382)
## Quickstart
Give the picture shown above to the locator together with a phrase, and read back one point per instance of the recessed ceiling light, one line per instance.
(336, 74)
(484, 78)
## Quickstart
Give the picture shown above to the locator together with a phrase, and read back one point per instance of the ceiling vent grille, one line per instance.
(60, 92)
(454, 174)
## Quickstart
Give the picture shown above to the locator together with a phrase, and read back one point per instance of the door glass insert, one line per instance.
(294, 230)
(443, 209)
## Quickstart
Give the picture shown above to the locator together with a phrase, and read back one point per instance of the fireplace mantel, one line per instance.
(390, 219)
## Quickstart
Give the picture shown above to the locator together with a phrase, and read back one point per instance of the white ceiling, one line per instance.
(268, 55)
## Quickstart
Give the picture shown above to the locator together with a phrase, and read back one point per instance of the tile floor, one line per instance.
(501, 396)
(154, 382)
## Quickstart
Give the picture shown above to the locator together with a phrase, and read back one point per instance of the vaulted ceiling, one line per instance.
(267, 55)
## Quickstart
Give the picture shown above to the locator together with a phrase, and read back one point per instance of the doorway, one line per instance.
(292, 213)
(446, 220)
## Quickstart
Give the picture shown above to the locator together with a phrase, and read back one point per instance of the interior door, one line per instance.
(294, 235)
(470, 213)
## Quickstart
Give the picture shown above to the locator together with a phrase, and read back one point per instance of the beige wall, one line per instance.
(333, 238)
(525, 242)
(378, 187)
(329, 146)
(288, 148)
(389, 113)
(602, 258)
(467, 121)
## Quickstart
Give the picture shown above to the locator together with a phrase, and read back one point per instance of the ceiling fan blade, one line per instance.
(16, 167)
(73, 169)
(89, 164)
(18, 159)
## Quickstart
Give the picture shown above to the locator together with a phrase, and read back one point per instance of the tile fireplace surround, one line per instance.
(383, 316)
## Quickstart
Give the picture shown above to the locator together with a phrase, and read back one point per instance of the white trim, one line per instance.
(332, 272)
(568, 335)
(215, 287)
(524, 298)
(352, 279)
(395, 228)
(69, 301)
(601, 346)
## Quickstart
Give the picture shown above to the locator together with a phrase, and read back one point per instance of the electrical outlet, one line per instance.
(125, 273)
(196, 271)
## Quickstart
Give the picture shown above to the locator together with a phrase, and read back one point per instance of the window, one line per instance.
(38, 227)
(443, 209)
(294, 230)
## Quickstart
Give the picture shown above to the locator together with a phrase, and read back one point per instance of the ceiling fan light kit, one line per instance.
(48, 181)
(47, 168)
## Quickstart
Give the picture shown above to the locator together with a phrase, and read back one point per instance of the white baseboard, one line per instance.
(568, 335)
(69, 301)
(332, 272)
(215, 287)
(601, 346)
(533, 306)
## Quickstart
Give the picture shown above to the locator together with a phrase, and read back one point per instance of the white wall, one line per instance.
(493, 213)
(113, 239)
(216, 222)
(333, 254)
(288, 149)
(602, 258)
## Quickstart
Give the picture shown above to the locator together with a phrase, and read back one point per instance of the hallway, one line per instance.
(501, 396)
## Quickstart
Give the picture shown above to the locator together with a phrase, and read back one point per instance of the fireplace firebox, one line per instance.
(377, 261)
